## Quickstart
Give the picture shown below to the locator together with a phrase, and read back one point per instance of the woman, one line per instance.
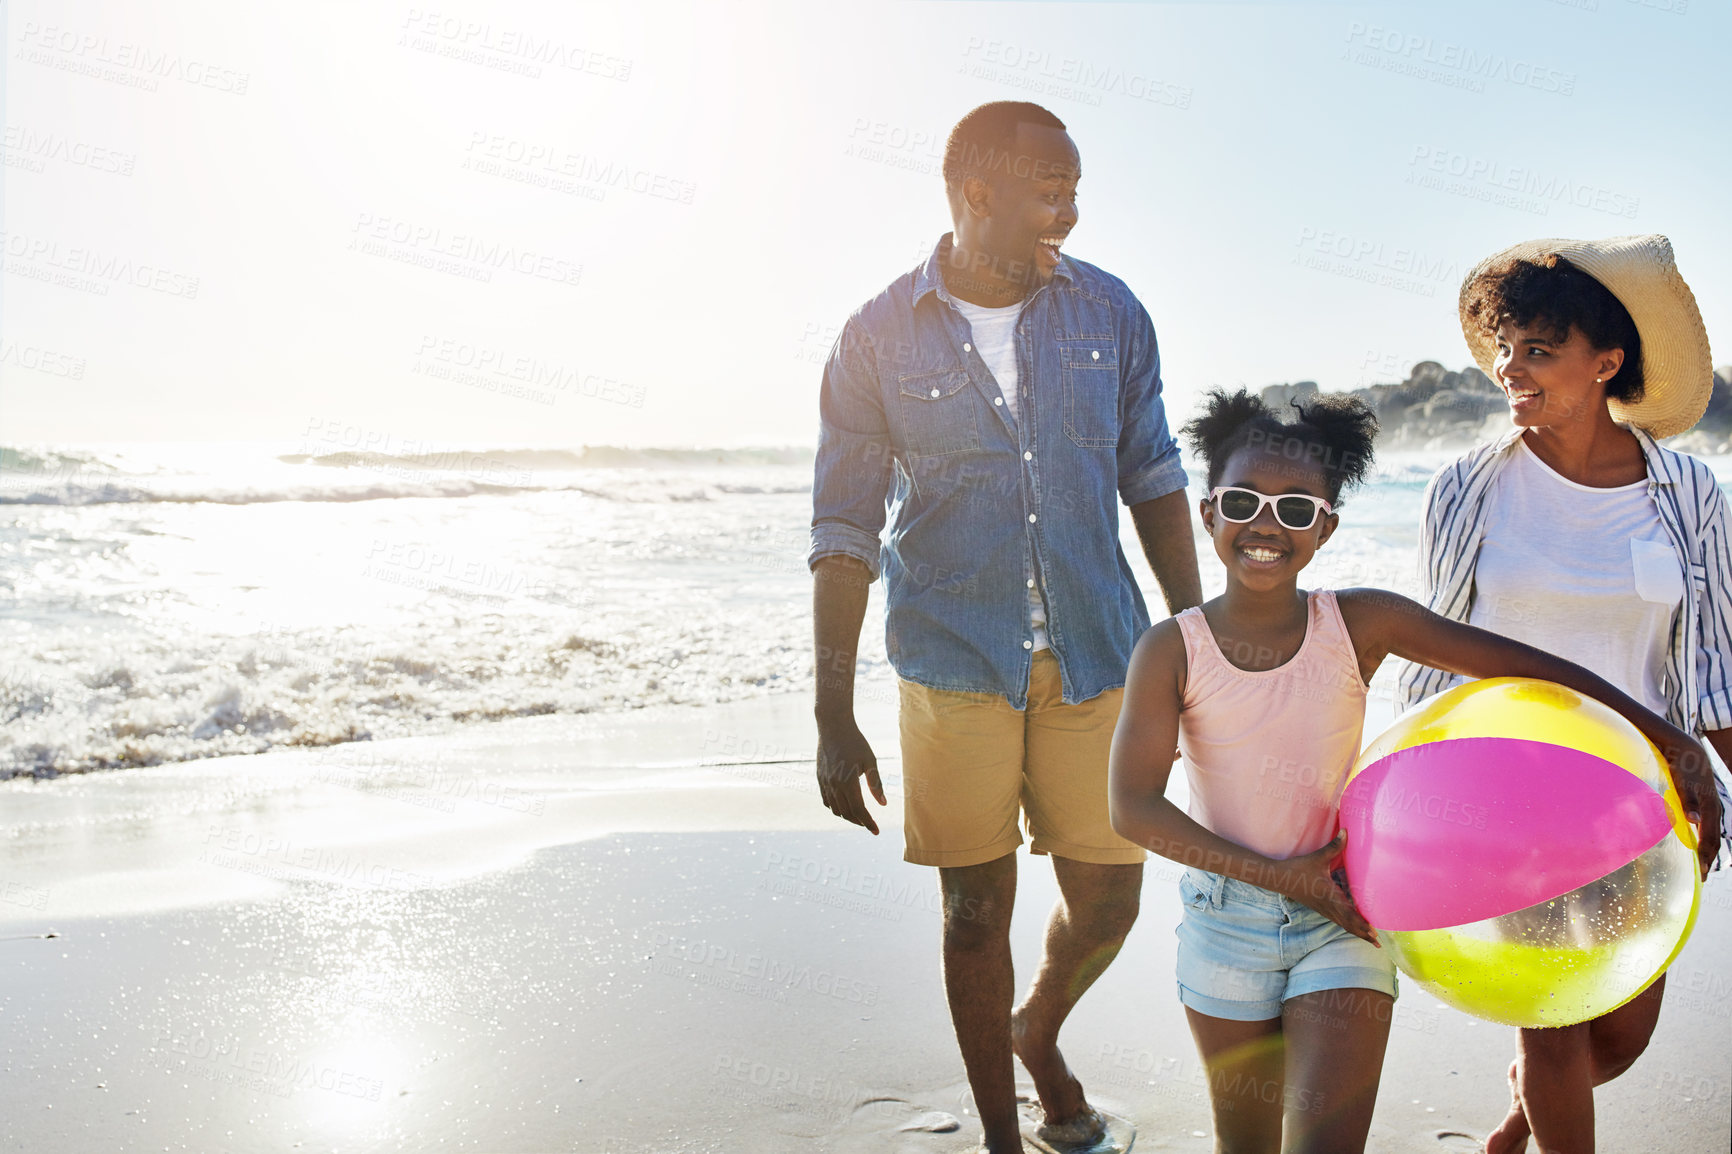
(1577, 533)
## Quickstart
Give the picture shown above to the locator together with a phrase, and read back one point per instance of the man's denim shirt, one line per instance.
(913, 427)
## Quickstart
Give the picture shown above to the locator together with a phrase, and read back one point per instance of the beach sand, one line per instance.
(573, 934)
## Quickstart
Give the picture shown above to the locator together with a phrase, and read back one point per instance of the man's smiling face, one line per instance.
(1027, 206)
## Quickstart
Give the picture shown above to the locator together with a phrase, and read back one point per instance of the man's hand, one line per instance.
(843, 756)
(838, 606)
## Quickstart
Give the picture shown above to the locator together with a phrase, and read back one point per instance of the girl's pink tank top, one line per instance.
(1266, 752)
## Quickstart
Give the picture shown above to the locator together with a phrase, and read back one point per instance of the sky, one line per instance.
(503, 224)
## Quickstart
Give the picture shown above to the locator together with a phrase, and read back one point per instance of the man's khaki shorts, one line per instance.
(970, 762)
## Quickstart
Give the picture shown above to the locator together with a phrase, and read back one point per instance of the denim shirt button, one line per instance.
(1096, 354)
(1028, 645)
(1031, 582)
(966, 347)
(935, 392)
(1033, 518)
(1027, 456)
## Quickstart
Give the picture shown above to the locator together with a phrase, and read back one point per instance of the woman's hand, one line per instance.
(1693, 776)
(1310, 879)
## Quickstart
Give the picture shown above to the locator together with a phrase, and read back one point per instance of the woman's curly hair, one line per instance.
(1555, 296)
(1335, 432)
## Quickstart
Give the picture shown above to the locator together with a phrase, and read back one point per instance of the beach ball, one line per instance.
(1521, 851)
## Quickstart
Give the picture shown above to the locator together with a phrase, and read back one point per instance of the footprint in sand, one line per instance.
(932, 1122)
(889, 1125)
(1456, 1142)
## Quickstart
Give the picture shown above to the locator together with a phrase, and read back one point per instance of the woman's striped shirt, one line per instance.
(1698, 676)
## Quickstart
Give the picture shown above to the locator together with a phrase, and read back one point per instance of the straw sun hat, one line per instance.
(1639, 270)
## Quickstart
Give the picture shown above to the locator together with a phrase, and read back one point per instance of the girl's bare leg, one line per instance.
(1335, 1045)
(1244, 1064)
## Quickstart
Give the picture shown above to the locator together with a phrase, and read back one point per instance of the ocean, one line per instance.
(174, 601)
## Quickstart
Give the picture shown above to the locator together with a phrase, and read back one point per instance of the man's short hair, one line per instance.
(982, 140)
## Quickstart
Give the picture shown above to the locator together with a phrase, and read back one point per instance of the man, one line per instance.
(1006, 396)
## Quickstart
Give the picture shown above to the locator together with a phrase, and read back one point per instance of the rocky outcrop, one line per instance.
(1435, 408)
(1713, 433)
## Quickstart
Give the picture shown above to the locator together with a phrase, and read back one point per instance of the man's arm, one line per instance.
(1164, 528)
(1151, 478)
(851, 476)
(840, 585)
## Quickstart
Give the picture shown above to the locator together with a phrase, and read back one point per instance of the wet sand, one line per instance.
(564, 934)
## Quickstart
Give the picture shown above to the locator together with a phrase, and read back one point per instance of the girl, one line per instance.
(1288, 996)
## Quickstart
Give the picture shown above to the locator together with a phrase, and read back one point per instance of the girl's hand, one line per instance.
(1309, 879)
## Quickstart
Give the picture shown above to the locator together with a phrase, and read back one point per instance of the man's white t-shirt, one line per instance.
(1588, 574)
(994, 332)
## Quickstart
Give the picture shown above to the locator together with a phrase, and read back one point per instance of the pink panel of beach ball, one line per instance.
(1460, 830)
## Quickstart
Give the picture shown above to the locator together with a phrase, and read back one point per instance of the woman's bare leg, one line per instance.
(1555, 1071)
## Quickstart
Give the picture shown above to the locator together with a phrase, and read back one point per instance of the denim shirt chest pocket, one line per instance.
(1089, 367)
(938, 411)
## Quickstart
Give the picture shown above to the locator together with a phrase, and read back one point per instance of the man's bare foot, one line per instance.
(1511, 1135)
(1082, 1132)
(1061, 1095)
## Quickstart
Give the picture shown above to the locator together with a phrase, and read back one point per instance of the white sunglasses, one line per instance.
(1292, 510)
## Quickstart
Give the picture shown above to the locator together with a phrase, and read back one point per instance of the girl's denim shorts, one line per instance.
(1244, 950)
